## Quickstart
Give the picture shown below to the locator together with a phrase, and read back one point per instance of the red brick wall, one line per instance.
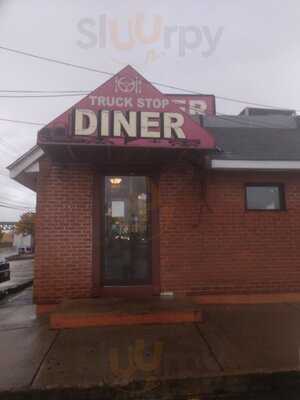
(215, 246)
(63, 265)
(206, 246)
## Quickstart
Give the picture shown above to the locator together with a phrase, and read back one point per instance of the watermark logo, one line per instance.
(152, 33)
(127, 85)
(142, 363)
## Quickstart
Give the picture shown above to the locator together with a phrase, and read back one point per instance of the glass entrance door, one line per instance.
(127, 252)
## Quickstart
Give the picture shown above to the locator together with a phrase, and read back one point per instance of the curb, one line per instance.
(15, 289)
(272, 386)
(16, 257)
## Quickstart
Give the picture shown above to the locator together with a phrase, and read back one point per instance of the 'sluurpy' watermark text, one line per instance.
(105, 32)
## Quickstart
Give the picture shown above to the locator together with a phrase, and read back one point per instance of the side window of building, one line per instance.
(265, 197)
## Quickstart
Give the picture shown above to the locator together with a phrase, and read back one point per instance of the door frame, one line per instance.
(99, 290)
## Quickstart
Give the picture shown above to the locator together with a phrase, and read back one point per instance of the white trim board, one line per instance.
(250, 164)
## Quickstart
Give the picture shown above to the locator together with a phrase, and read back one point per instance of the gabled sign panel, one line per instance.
(127, 110)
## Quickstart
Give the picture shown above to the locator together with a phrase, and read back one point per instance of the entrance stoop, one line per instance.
(113, 312)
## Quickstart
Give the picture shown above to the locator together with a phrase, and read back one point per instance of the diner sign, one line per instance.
(133, 124)
(128, 110)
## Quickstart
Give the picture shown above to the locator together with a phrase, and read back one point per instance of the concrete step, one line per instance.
(113, 311)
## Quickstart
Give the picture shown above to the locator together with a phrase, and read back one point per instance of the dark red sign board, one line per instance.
(195, 104)
(133, 95)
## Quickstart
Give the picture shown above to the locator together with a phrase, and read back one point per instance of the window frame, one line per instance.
(282, 198)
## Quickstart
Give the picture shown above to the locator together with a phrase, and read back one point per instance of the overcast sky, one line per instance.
(234, 48)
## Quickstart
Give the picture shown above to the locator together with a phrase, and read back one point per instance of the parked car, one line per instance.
(4, 270)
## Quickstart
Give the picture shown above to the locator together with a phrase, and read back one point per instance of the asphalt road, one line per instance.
(20, 299)
(7, 251)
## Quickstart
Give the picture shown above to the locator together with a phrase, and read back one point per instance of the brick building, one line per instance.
(141, 193)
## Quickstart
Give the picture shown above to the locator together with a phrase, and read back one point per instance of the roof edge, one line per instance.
(25, 161)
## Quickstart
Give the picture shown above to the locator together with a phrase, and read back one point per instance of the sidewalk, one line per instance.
(238, 350)
(21, 276)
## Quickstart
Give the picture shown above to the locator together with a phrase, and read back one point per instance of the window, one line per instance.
(265, 197)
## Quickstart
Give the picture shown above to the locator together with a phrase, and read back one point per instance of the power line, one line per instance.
(17, 121)
(16, 186)
(82, 67)
(83, 93)
(7, 200)
(55, 61)
(45, 91)
(9, 203)
(76, 93)
(11, 208)
(62, 93)
(12, 200)
(80, 93)
(45, 96)
(14, 207)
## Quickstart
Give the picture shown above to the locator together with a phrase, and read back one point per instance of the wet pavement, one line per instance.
(237, 351)
(24, 340)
